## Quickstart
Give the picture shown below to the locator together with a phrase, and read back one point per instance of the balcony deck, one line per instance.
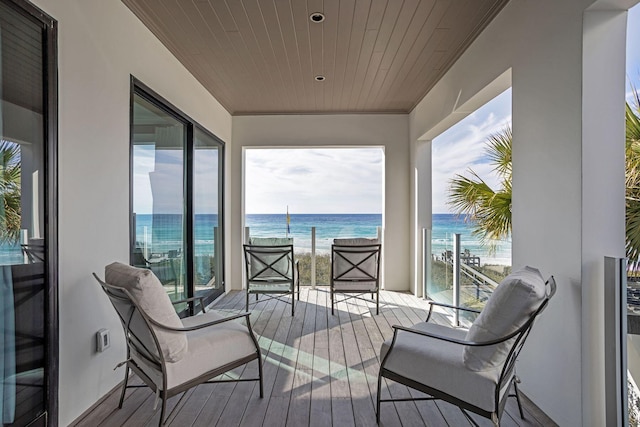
(320, 370)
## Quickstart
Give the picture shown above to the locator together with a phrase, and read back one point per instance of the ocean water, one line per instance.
(328, 227)
(331, 226)
(445, 226)
(11, 254)
(164, 233)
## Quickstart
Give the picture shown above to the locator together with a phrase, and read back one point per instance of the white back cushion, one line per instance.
(508, 308)
(356, 241)
(149, 294)
(271, 241)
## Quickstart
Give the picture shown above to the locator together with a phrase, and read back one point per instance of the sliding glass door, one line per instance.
(28, 328)
(158, 194)
(207, 200)
(176, 198)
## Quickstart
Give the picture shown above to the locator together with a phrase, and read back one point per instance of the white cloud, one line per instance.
(341, 180)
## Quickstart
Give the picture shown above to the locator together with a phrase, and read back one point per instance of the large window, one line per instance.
(471, 201)
(28, 313)
(176, 228)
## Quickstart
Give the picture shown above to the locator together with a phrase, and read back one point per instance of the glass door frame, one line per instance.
(140, 89)
(50, 124)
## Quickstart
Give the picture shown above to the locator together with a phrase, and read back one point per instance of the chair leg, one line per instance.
(260, 376)
(378, 398)
(332, 301)
(247, 304)
(163, 410)
(124, 386)
(293, 299)
(516, 380)
(377, 303)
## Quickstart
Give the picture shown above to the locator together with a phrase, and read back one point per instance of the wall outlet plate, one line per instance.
(103, 340)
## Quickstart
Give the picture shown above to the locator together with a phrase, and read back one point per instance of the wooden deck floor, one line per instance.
(320, 370)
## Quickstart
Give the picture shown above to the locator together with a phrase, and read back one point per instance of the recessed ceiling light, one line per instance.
(316, 17)
(319, 78)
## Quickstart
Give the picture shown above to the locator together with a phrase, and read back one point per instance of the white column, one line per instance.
(421, 210)
(603, 190)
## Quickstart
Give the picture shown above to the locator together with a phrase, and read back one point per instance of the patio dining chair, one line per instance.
(355, 270)
(472, 369)
(169, 354)
(271, 269)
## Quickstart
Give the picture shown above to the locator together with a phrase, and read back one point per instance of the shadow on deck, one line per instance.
(320, 370)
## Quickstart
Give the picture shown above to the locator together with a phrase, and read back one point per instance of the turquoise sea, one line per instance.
(168, 230)
(331, 226)
(328, 227)
(445, 226)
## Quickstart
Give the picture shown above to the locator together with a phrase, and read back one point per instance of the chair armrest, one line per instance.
(202, 325)
(201, 299)
(454, 307)
(397, 328)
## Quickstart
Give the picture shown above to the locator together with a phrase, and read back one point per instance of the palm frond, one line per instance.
(10, 191)
(489, 209)
(632, 181)
(499, 151)
(467, 194)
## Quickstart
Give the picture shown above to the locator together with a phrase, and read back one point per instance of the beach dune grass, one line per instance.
(323, 268)
(439, 271)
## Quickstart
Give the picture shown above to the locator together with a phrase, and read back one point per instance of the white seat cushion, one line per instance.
(355, 287)
(510, 306)
(209, 348)
(438, 364)
(149, 294)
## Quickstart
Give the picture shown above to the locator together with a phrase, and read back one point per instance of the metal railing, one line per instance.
(468, 284)
(313, 253)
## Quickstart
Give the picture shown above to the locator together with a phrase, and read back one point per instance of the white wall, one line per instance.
(388, 131)
(559, 224)
(101, 43)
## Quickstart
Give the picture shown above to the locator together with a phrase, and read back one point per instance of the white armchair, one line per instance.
(473, 369)
(170, 354)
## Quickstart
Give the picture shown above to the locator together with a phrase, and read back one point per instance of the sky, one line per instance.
(350, 180)
(158, 180)
(322, 180)
(461, 147)
(633, 49)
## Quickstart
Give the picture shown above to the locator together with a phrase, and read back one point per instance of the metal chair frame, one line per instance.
(341, 251)
(155, 356)
(258, 253)
(508, 372)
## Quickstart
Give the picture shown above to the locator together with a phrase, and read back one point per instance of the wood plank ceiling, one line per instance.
(262, 56)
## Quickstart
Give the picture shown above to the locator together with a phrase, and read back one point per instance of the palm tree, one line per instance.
(492, 210)
(489, 209)
(632, 178)
(10, 170)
